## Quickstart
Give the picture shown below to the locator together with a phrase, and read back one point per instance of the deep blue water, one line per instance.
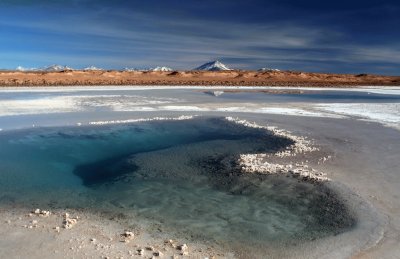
(183, 173)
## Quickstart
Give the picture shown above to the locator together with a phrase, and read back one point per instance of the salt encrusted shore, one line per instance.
(258, 163)
(180, 118)
(77, 234)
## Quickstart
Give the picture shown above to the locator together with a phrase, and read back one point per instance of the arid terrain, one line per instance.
(228, 78)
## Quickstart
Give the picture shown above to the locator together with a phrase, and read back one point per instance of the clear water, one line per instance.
(181, 173)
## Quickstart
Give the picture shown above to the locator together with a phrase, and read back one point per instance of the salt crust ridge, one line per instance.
(183, 117)
(256, 163)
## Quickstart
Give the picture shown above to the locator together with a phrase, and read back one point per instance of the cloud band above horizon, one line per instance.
(315, 36)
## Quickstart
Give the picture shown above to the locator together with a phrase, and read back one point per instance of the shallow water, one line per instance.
(181, 173)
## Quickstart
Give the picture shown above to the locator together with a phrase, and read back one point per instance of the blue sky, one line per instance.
(321, 36)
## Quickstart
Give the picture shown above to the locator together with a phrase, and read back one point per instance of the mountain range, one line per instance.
(209, 66)
(51, 68)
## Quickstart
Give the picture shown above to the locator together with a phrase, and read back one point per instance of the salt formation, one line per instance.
(43, 213)
(301, 144)
(68, 222)
(324, 159)
(140, 252)
(256, 163)
(214, 93)
(127, 235)
(183, 117)
(251, 163)
(184, 249)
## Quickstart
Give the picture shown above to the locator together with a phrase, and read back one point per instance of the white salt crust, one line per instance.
(257, 163)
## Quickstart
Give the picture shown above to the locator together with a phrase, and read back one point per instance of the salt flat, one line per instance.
(51, 100)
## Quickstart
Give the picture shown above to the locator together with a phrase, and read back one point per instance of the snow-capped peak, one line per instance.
(25, 69)
(163, 69)
(20, 68)
(128, 69)
(56, 68)
(92, 68)
(267, 69)
(52, 68)
(213, 66)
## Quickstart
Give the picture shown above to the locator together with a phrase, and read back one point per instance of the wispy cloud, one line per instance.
(118, 37)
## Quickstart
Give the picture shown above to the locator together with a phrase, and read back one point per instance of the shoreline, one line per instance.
(194, 87)
(92, 235)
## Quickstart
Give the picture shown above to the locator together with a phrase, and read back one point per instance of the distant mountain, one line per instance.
(163, 69)
(92, 68)
(266, 69)
(128, 69)
(56, 68)
(213, 66)
(19, 68)
(51, 68)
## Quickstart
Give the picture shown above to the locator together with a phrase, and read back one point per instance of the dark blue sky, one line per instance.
(322, 36)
